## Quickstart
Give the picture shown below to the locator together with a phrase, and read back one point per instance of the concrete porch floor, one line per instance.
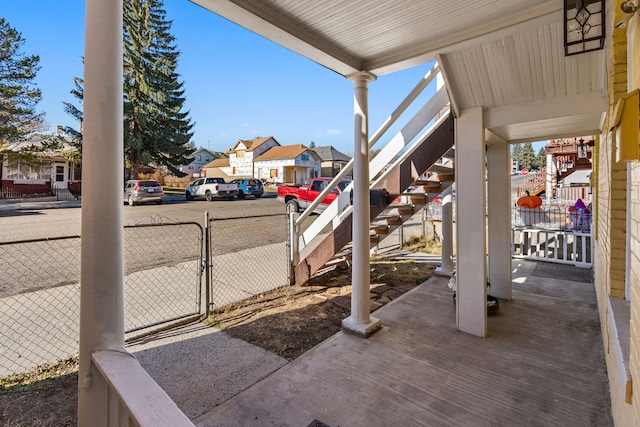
(542, 364)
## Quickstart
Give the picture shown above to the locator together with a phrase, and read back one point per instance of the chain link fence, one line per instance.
(248, 256)
(40, 290)
(39, 302)
(163, 273)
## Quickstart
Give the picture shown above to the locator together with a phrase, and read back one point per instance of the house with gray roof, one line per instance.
(332, 160)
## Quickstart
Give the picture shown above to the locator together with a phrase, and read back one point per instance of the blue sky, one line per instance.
(237, 85)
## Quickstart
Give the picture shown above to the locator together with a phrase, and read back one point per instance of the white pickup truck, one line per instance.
(211, 188)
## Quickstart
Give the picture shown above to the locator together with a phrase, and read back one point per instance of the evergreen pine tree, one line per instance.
(75, 112)
(541, 158)
(527, 156)
(156, 130)
(18, 93)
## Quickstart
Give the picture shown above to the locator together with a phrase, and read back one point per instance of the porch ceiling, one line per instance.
(506, 56)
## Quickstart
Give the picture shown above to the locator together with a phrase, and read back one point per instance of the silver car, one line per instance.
(143, 191)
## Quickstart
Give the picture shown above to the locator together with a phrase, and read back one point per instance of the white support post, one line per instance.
(102, 261)
(446, 263)
(471, 265)
(360, 322)
(499, 218)
(552, 170)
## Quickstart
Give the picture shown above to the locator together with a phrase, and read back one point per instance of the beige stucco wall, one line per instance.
(610, 181)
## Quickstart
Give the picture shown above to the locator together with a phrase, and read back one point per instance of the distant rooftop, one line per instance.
(327, 153)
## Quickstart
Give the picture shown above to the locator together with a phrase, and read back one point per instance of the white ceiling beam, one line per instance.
(552, 108)
(559, 127)
(491, 138)
(452, 98)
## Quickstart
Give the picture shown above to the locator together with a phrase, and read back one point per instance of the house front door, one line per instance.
(59, 176)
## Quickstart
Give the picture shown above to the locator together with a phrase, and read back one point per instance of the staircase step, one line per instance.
(427, 183)
(416, 198)
(403, 208)
(442, 169)
(395, 221)
(380, 229)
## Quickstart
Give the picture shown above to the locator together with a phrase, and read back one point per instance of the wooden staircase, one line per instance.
(567, 161)
(438, 177)
(411, 170)
(534, 184)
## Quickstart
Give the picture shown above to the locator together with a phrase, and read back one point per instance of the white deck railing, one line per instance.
(559, 246)
(134, 397)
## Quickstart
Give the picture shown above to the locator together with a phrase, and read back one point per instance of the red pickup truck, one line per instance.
(298, 197)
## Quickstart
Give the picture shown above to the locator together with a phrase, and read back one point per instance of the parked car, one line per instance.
(142, 191)
(210, 189)
(296, 197)
(249, 187)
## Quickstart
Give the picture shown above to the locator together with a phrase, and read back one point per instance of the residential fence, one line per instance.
(247, 257)
(164, 283)
(40, 302)
(40, 290)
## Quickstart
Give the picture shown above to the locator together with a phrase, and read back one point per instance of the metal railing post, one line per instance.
(207, 262)
(292, 242)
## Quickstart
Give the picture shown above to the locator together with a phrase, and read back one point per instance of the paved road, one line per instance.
(41, 222)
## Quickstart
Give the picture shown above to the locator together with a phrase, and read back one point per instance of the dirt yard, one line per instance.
(287, 322)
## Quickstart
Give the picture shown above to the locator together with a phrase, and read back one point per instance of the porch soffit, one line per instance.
(506, 56)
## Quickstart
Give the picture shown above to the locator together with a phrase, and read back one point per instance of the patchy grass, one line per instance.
(417, 244)
(46, 396)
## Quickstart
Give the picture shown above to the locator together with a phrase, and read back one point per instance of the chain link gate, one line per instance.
(247, 257)
(163, 273)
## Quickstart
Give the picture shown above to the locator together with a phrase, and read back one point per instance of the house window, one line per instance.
(20, 171)
(199, 158)
(304, 157)
(273, 173)
(207, 159)
(240, 153)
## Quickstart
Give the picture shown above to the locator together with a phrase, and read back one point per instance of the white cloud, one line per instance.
(334, 132)
(245, 125)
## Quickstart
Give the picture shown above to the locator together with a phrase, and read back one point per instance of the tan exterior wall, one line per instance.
(611, 265)
(634, 357)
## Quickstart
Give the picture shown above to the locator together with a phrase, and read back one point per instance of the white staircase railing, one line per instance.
(399, 148)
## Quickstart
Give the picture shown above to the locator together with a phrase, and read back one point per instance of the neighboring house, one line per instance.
(333, 161)
(295, 164)
(29, 167)
(218, 169)
(242, 155)
(515, 166)
(200, 157)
